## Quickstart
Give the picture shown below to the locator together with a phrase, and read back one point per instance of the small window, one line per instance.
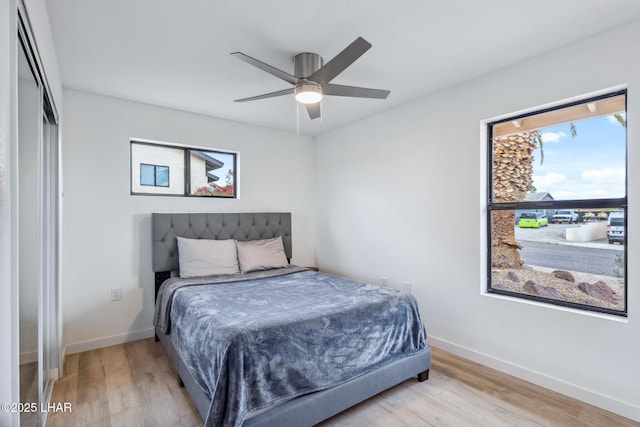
(212, 173)
(154, 175)
(556, 203)
(164, 169)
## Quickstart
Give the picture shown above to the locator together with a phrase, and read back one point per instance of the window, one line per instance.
(154, 175)
(557, 202)
(212, 173)
(164, 169)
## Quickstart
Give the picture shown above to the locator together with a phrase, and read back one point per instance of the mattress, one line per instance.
(255, 340)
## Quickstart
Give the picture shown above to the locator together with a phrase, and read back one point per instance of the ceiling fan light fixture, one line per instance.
(307, 93)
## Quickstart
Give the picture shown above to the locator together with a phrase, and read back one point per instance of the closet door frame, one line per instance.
(50, 350)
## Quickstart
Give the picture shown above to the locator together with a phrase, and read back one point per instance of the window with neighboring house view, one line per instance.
(164, 169)
(556, 203)
(212, 173)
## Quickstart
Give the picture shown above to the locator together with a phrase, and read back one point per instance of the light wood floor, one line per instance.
(132, 385)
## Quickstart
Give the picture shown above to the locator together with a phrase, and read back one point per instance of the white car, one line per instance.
(615, 227)
(565, 215)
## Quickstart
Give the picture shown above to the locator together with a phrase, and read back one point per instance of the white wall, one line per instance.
(9, 387)
(107, 240)
(400, 196)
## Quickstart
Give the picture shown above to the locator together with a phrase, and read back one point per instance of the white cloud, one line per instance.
(603, 176)
(602, 193)
(613, 120)
(552, 178)
(552, 136)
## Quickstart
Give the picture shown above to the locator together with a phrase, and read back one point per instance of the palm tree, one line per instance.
(513, 179)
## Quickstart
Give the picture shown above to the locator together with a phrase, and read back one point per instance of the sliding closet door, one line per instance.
(29, 160)
(38, 233)
(49, 332)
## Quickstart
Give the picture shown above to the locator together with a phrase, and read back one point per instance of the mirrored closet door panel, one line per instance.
(29, 131)
(38, 233)
(49, 319)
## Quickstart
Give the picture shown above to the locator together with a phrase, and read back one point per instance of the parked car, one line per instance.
(532, 220)
(565, 215)
(615, 227)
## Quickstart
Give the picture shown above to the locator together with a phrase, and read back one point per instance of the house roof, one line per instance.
(212, 163)
(536, 197)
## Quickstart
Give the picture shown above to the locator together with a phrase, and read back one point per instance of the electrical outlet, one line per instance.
(406, 286)
(116, 294)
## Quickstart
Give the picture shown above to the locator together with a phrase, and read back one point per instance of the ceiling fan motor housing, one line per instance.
(305, 64)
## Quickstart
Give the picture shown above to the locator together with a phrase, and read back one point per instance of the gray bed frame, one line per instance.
(306, 410)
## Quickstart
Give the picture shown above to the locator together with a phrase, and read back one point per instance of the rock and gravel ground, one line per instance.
(514, 279)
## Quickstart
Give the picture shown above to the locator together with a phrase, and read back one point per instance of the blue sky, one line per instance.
(589, 166)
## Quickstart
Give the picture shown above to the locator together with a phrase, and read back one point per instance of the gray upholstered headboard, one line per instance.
(216, 226)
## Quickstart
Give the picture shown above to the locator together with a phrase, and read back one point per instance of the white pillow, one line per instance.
(204, 257)
(263, 254)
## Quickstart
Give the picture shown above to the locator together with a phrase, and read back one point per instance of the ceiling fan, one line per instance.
(312, 79)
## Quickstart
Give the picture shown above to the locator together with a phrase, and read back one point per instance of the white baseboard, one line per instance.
(626, 409)
(54, 374)
(29, 357)
(79, 347)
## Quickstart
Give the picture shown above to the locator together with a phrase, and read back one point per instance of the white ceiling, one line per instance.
(176, 53)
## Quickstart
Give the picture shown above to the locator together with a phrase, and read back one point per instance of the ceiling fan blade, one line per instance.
(313, 110)
(341, 61)
(358, 92)
(266, 67)
(267, 95)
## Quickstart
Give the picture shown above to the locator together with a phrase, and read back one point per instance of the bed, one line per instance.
(285, 346)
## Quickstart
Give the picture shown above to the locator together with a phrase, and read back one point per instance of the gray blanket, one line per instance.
(253, 343)
(162, 319)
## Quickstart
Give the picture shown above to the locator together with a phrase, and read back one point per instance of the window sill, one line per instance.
(604, 316)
